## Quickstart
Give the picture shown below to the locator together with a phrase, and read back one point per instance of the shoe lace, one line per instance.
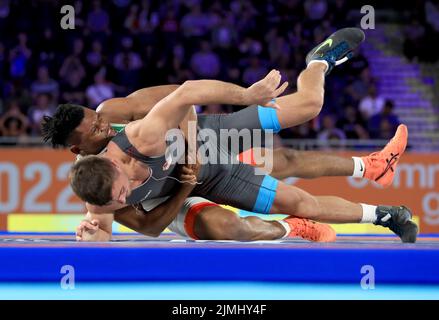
(337, 51)
(390, 162)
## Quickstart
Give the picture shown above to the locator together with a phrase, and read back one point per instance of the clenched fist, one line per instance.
(86, 226)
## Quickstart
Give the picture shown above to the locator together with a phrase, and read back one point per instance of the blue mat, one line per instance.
(139, 259)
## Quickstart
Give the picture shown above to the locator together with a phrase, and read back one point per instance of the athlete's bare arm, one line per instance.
(136, 105)
(95, 227)
(148, 134)
(155, 221)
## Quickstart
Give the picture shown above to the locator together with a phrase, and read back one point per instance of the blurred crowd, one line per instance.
(119, 46)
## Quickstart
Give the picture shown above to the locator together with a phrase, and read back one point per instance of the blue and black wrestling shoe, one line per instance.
(337, 48)
(397, 219)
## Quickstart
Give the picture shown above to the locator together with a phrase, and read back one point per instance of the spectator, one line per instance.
(205, 63)
(100, 90)
(254, 72)
(353, 124)
(360, 87)
(79, 15)
(132, 22)
(95, 58)
(47, 45)
(339, 11)
(372, 103)
(414, 35)
(148, 19)
(250, 47)
(315, 9)
(73, 89)
(279, 51)
(43, 107)
(196, 23)
(244, 15)
(386, 131)
(302, 132)
(223, 34)
(170, 23)
(45, 84)
(98, 21)
(4, 14)
(18, 92)
(128, 64)
(14, 123)
(73, 62)
(19, 57)
(377, 128)
(330, 131)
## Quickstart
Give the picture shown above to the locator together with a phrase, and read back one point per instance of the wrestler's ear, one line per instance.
(75, 149)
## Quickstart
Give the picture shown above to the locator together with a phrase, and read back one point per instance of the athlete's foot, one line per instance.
(398, 219)
(310, 230)
(380, 166)
(337, 48)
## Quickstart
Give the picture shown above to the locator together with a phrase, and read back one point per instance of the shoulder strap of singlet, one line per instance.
(125, 145)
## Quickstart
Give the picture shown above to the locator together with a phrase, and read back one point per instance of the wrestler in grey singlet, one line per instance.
(235, 184)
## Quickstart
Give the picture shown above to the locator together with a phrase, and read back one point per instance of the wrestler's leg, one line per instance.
(289, 162)
(307, 102)
(245, 188)
(202, 219)
(217, 223)
(292, 200)
(295, 108)
(378, 166)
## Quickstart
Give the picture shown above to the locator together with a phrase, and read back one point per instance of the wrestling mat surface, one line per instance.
(169, 267)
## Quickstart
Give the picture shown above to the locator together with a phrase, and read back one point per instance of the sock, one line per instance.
(369, 213)
(359, 167)
(286, 227)
(320, 61)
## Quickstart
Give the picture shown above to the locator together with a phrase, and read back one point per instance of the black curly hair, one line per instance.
(58, 129)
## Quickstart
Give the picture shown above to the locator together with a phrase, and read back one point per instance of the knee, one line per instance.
(313, 103)
(308, 207)
(290, 155)
(301, 205)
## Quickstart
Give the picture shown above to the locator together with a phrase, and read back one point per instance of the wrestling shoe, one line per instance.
(310, 230)
(397, 219)
(337, 48)
(380, 166)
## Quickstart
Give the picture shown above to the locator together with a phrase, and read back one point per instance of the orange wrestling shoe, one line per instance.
(310, 230)
(380, 166)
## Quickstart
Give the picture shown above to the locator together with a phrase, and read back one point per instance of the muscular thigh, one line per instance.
(288, 198)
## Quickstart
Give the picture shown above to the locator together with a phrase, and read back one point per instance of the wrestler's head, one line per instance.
(81, 129)
(99, 181)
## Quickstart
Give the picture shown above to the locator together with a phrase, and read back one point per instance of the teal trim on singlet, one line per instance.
(266, 195)
(268, 119)
(118, 127)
